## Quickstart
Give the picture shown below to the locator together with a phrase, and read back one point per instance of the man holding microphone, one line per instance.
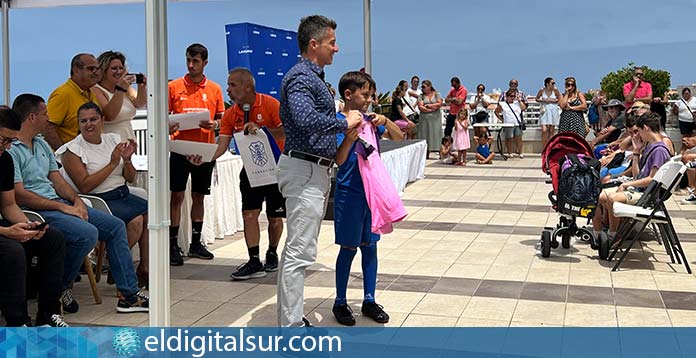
(250, 112)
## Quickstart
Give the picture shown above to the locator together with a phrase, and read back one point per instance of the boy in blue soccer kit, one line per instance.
(352, 217)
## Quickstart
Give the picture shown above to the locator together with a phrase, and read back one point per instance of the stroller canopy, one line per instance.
(561, 144)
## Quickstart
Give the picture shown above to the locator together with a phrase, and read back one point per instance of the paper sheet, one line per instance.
(186, 147)
(189, 120)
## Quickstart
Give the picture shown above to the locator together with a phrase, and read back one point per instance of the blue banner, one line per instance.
(267, 52)
(347, 342)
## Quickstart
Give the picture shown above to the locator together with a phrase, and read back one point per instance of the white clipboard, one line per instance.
(187, 147)
(188, 121)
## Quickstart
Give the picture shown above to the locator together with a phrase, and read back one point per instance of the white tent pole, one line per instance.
(6, 51)
(157, 161)
(367, 24)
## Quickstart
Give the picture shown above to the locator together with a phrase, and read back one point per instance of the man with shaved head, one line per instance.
(66, 99)
(263, 112)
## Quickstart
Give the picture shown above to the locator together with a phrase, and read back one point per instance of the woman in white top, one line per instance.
(115, 95)
(685, 109)
(100, 164)
(479, 108)
(550, 111)
(510, 112)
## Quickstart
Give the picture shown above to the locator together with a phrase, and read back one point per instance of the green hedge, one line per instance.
(612, 83)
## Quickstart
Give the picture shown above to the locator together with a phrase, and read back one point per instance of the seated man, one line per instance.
(614, 126)
(622, 147)
(648, 141)
(39, 186)
(21, 240)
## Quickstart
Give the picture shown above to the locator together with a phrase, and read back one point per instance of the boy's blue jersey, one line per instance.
(348, 178)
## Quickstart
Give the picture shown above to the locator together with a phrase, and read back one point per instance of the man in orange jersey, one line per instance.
(192, 93)
(264, 111)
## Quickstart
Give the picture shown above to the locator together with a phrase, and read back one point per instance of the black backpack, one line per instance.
(579, 185)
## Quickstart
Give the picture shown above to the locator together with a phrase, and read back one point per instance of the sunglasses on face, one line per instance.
(639, 74)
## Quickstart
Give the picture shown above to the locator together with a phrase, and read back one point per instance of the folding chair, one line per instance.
(34, 216)
(97, 203)
(649, 210)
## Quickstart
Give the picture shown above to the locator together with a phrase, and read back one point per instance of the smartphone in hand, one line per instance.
(139, 78)
(39, 227)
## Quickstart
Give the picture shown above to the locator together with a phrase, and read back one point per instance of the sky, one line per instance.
(480, 42)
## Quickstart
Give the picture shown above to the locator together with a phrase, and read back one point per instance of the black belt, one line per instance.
(325, 162)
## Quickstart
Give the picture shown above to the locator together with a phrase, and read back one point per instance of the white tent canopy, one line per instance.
(157, 104)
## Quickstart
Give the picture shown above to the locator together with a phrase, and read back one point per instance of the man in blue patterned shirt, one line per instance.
(309, 116)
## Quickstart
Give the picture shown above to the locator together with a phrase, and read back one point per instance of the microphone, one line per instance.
(246, 108)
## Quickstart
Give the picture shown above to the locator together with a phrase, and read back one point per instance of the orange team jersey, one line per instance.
(265, 113)
(187, 97)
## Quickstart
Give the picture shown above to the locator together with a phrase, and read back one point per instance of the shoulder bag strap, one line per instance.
(513, 112)
(403, 100)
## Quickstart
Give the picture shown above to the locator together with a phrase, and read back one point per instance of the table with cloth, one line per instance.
(223, 207)
(404, 160)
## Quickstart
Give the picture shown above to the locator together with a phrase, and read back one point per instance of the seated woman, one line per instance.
(100, 164)
(398, 115)
(654, 153)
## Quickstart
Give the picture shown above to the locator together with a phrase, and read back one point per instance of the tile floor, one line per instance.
(465, 256)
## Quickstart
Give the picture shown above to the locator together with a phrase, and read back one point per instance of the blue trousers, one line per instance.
(80, 238)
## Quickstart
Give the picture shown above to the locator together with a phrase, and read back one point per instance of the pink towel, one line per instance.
(382, 198)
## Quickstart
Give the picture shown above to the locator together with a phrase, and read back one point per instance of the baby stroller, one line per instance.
(574, 171)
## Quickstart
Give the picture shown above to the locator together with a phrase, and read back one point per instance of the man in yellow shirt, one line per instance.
(66, 99)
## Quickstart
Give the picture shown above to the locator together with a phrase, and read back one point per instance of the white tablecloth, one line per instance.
(406, 164)
(223, 207)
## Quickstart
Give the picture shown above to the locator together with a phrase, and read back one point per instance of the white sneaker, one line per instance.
(521, 155)
(691, 199)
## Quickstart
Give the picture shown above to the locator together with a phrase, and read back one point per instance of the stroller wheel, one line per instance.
(554, 244)
(604, 245)
(565, 241)
(545, 244)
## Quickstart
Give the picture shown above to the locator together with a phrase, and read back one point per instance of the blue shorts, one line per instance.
(686, 127)
(352, 220)
(123, 204)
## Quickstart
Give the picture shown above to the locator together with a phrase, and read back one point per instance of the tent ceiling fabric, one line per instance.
(30, 4)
